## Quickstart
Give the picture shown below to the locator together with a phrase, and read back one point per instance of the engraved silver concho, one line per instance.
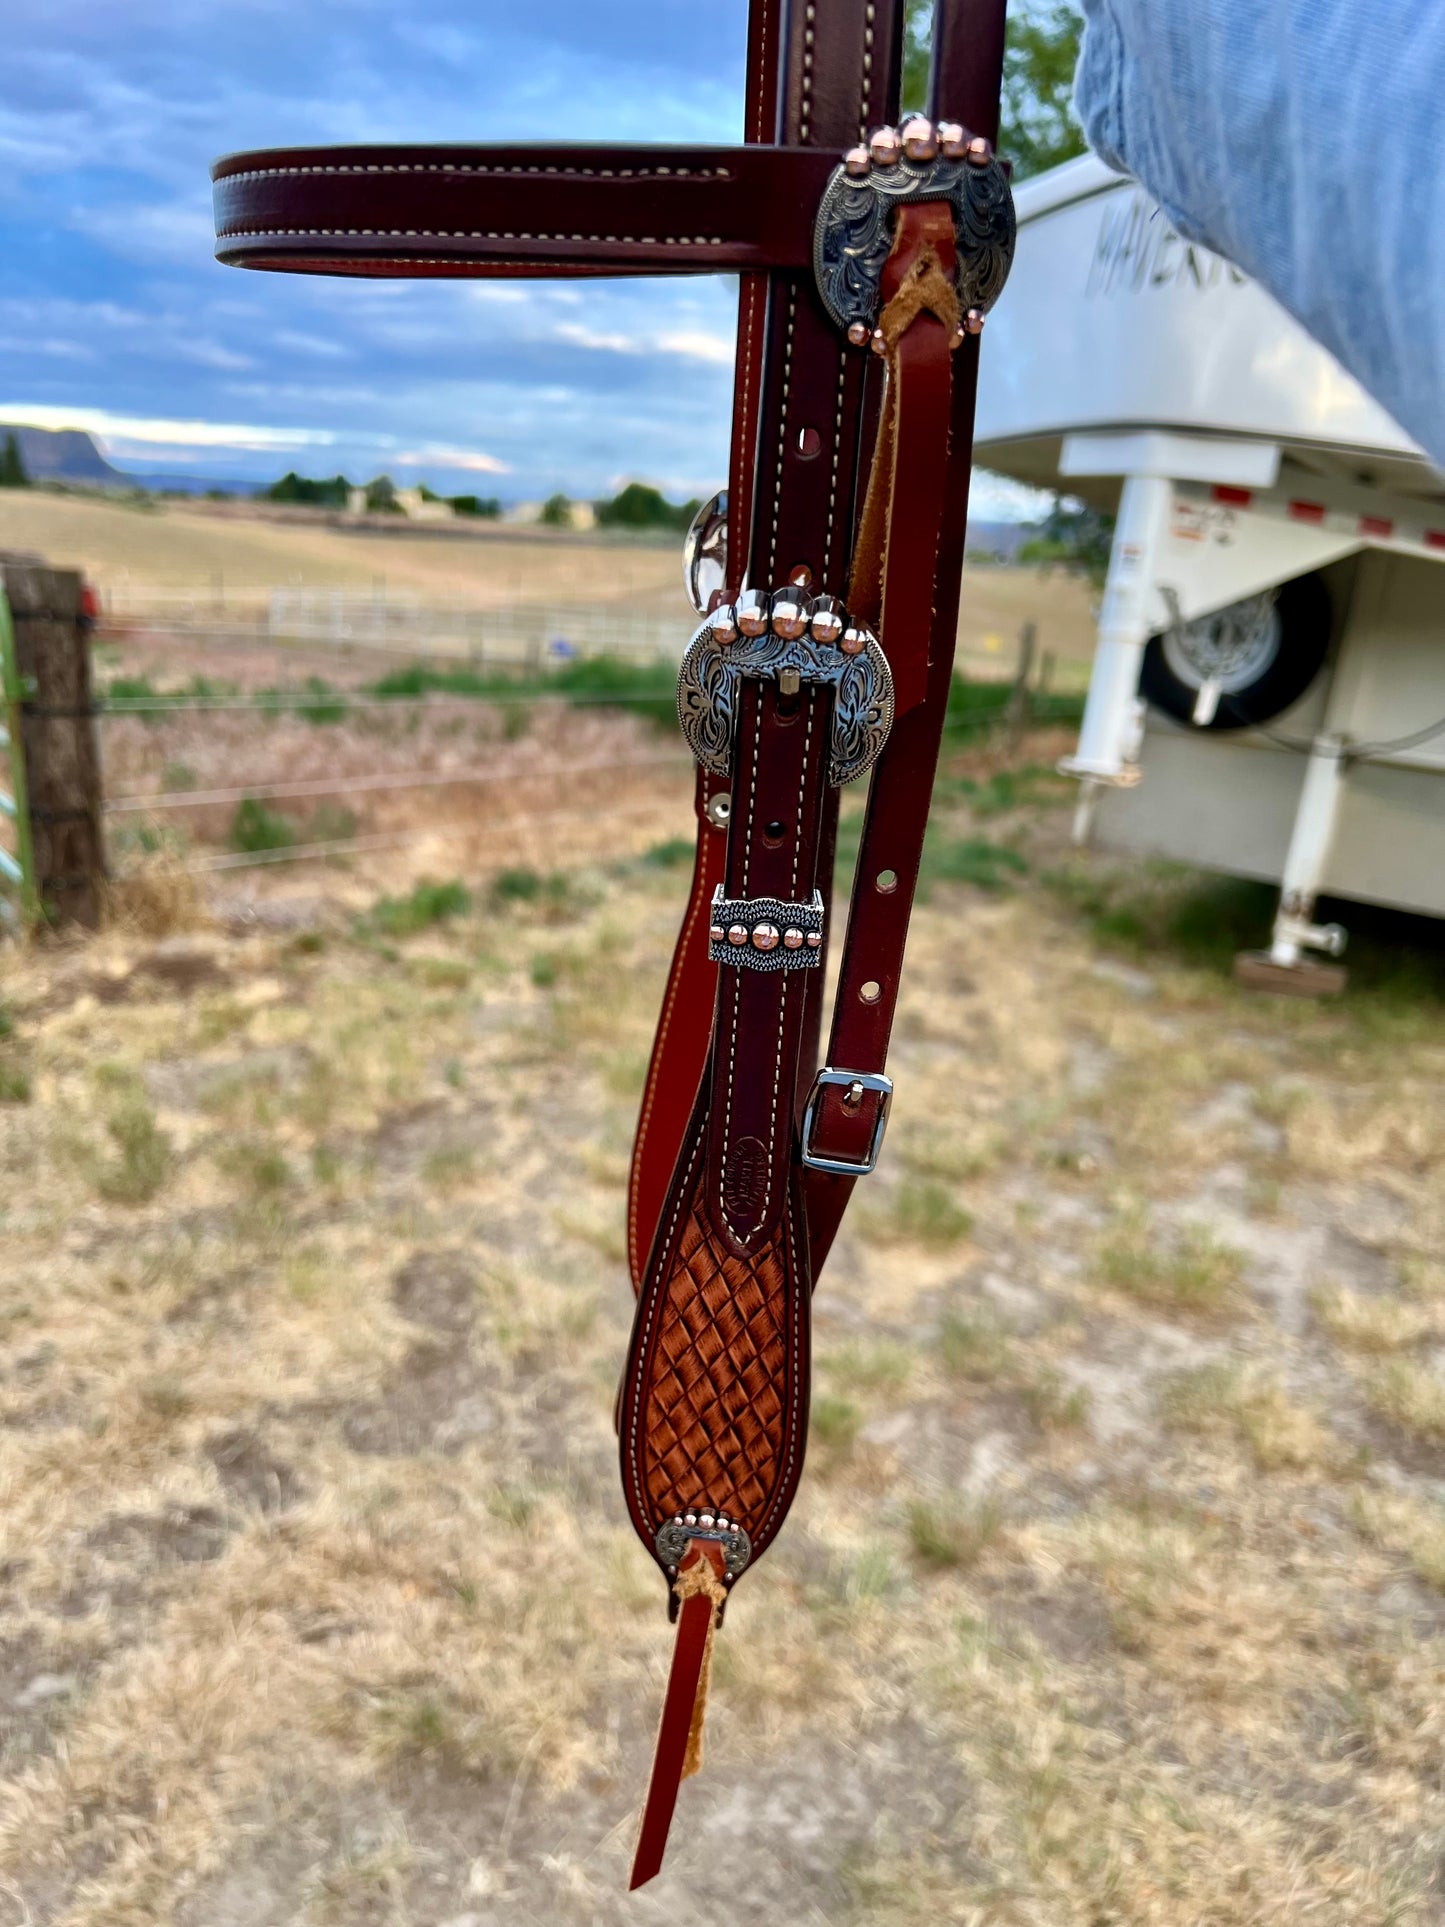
(854, 231)
(673, 1535)
(828, 650)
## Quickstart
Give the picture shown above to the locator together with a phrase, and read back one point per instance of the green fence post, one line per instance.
(19, 869)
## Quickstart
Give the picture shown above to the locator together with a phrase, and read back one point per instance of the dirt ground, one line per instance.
(1115, 1592)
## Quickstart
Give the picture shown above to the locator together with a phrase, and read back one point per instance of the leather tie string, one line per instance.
(701, 1596)
(896, 558)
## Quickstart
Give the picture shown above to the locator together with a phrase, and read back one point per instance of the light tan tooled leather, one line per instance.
(715, 1397)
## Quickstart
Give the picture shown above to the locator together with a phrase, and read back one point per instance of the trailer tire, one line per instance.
(1278, 674)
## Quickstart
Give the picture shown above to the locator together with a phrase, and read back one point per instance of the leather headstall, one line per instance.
(784, 696)
(824, 658)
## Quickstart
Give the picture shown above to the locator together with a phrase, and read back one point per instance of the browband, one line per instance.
(573, 210)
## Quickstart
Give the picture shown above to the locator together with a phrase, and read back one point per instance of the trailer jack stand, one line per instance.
(1283, 967)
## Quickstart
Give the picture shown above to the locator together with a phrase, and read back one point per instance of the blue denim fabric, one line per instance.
(1305, 141)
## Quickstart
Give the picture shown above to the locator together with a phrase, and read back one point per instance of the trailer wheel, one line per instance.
(1262, 654)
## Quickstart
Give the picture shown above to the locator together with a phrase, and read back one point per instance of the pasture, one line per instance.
(1115, 1592)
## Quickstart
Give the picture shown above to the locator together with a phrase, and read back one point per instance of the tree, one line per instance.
(1076, 536)
(1037, 128)
(381, 496)
(556, 512)
(487, 506)
(640, 506)
(12, 466)
(333, 492)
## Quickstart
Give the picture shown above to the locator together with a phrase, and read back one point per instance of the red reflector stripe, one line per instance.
(1307, 511)
(1376, 525)
(1235, 498)
(1435, 538)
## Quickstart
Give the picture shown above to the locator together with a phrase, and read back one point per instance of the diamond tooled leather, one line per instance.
(715, 1406)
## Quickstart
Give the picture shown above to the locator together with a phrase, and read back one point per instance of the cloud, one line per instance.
(116, 317)
(158, 430)
(439, 455)
(691, 343)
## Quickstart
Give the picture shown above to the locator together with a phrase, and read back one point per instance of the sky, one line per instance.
(114, 316)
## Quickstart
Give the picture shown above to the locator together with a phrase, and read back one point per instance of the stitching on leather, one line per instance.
(803, 791)
(469, 234)
(796, 1390)
(735, 990)
(867, 72)
(782, 429)
(640, 1399)
(807, 89)
(484, 172)
(833, 478)
(649, 1096)
(758, 129)
(746, 465)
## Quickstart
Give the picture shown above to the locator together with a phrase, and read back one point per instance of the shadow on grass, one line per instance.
(1175, 913)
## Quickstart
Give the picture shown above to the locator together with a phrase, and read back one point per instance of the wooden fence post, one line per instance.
(57, 719)
(1016, 714)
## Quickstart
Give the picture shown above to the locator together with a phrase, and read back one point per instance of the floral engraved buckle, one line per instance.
(790, 638)
(917, 162)
(764, 933)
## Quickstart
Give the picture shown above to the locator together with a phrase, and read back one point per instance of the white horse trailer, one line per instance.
(1268, 689)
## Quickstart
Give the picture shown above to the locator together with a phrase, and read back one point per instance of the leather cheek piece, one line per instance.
(679, 1049)
(714, 1403)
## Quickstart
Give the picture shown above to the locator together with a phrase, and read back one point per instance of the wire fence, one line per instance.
(348, 622)
(512, 634)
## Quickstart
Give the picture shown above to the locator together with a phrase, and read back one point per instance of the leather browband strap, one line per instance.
(437, 211)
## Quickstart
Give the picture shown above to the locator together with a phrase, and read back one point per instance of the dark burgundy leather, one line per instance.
(686, 1684)
(797, 457)
(684, 1030)
(679, 1047)
(781, 775)
(527, 210)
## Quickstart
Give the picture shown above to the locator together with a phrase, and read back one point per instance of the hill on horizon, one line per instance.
(63, 455)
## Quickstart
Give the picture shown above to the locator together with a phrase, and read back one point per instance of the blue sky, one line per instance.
(115, 317)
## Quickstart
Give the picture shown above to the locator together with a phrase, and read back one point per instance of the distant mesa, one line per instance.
(64, 455)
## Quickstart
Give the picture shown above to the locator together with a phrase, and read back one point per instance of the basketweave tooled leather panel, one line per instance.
(714, 1405)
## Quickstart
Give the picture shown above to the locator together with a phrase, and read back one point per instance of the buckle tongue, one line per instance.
(829, 1078)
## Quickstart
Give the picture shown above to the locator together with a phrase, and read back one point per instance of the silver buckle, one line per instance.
(866, 1081)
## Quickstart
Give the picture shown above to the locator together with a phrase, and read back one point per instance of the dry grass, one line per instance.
(195, 548)
(1411, 1397)
(320, 1604)
(1190, 1271)
(1231, 1398)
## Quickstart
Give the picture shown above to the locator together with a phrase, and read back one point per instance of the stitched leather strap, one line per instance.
(571, 210)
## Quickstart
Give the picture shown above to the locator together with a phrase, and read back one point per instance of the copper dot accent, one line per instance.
(738, 935)
(792, 940)
(765, 936)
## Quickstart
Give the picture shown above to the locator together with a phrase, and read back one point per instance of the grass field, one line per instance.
(223, 552)
(1115, 1592)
